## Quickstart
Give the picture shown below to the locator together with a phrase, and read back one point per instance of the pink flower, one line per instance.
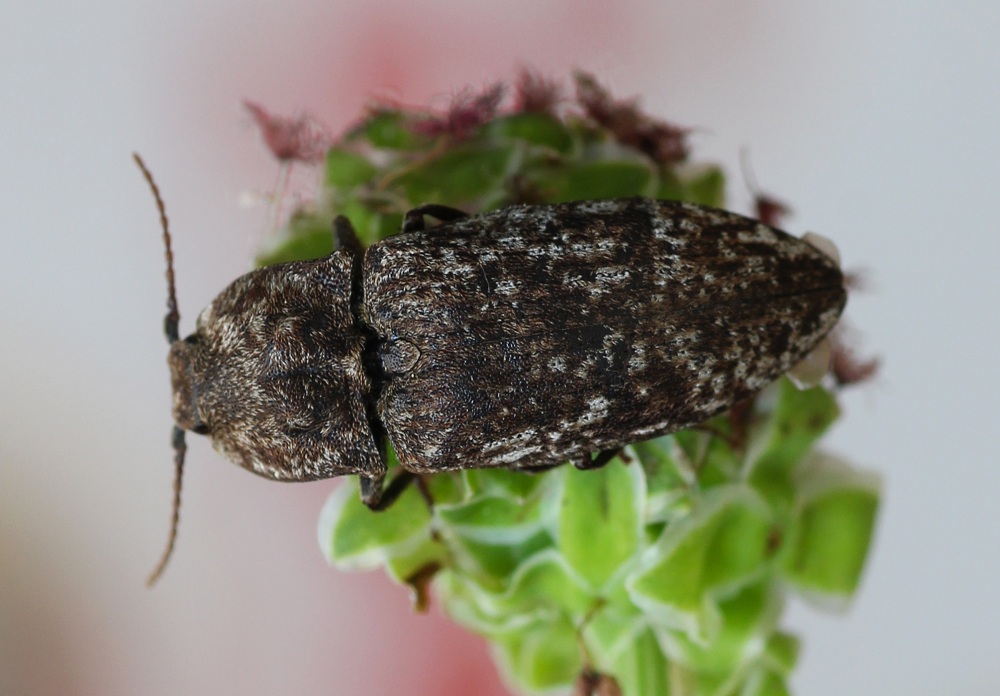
(299, 139)
(467, 112)
(535, 94)
(664, 142)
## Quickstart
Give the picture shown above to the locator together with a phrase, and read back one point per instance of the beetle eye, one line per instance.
(201, 429)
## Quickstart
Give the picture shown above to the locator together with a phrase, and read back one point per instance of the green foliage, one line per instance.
(666, 569)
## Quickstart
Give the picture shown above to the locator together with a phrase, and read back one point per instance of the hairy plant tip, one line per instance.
(468, 111)
(847, 368)
(769, 210)
(298, 139)
(536, 94)
(664, 143)
(591, 683)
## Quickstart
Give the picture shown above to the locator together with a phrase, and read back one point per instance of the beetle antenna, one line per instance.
(180, 448)
(173, 317)
(170, 328)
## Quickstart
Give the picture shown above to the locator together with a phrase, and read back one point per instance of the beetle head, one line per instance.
(185, 410)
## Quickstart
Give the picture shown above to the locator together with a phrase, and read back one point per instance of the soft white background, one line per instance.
(877, 121)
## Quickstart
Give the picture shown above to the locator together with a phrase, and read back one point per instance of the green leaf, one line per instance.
(387, 129)
(307, 236)
(643, 670)
(611, 631)
(405, 562)
(472, 605)
(542, 656)
(536, 129)
(792, 421)
(831, 530)
(493, 525)
(670, 187)
(498, 560)
(747, 620)
(600, 518)
(720, 464)
(543, 589)
(352, 536)
(458, 176)
(706, 187)
(346, 169)
(371, 225)
(764, 683)
(571, 181)
(782, 653)
(446, 488)
(666, 465)
(491, 519)
(722, 546)
(545, 584)
(514, 484)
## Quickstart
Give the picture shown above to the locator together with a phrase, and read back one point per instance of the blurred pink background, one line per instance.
(876, 121)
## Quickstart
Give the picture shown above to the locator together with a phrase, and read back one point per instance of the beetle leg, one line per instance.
(378, 498)
(399, 483)
(413, 221)
(585, 461)
(529, 469)
(371, 491)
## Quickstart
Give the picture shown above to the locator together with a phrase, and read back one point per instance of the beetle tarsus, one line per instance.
(378, 498)
(413, 221)
(585, 462)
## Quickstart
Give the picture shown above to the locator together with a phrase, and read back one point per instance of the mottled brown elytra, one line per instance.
(519, 338)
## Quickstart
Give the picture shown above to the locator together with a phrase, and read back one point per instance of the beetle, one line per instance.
(519, 338)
